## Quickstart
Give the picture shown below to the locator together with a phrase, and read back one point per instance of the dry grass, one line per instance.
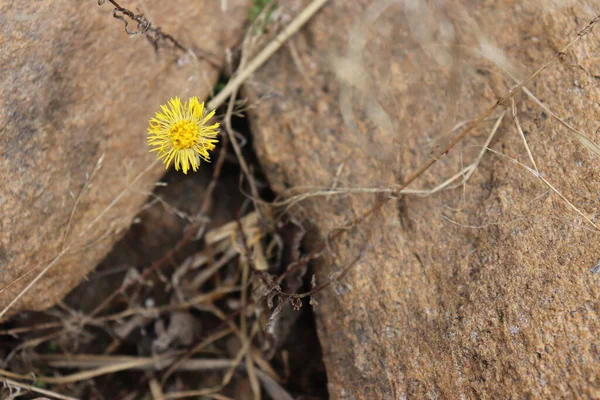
(229, 277)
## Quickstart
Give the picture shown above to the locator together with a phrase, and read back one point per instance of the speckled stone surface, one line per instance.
(485, 291)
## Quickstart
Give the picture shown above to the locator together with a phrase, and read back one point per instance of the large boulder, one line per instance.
(76, 94)
(486, 290)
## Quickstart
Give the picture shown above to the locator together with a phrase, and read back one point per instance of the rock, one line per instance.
(76, 94)
(483, 290)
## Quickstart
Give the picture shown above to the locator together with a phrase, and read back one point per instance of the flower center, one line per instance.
(184, 134)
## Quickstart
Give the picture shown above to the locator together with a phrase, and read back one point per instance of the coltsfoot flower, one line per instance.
(179, 133)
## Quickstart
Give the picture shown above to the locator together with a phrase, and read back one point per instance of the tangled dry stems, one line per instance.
(247, 358)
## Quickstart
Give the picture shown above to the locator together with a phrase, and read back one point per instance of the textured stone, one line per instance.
(75, 89)
(482, 291)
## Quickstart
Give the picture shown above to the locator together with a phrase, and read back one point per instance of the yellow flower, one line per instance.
(180, 133)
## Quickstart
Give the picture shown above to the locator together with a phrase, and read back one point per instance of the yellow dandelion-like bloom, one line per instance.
(179, 133)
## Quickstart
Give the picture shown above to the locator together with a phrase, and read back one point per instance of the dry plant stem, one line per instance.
(153, 34)
(241, 354)
(207, 203)
(254, 352)
(264, 365)
(485, 146)
(208, 272)
(155, 389)
(16, 331)
(250, 261)
(235, 144)
(538, 175)
(123, 365)
(502, 101)
(465, 173)
(154, 311)
(583, 139)
(85, 375)
(78, 199)
(521, 133)
(193, 393)
(251, 371)
(226, 379)
(231, 133)
(10, 382)
(33, 343)
(117, 199)
(33, 282)
(226, 320)
(336, 277)
(188, 236)
(212, 338)
(181, 363)
(274, 287)
(266, 53)
(298, 62)
(586, 141)
(85, 361)
(254, 385)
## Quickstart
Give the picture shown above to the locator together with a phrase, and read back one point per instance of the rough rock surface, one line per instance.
(75, 89)
(487, 290)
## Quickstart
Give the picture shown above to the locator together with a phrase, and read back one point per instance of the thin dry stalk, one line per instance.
(226, 379)
(155, 389)
(263, 365)
(538, 175)
(198, 347)
(85, 361)
(190, 234)
(298, 63)
(433, 160)
(119, 197)
(207, 273)
(205, 298)
(25, 329)
(521, 133)
(254, 384)
(465, 174)
(49, 393)
(266, 53)
(241, 354)
(583, 139)
(32, 283)
(86, 375)
(485, 145)
(85, 187)
(232, 137)
(125, 364)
